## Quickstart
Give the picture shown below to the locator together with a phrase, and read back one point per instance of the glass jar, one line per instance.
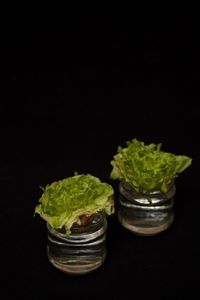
(145, 213)
(81, 252)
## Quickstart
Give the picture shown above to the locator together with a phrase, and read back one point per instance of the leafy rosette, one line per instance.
(64, 202)
(146, 167)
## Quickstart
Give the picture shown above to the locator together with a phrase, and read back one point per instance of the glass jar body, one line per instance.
(81, 252)
(145, 213)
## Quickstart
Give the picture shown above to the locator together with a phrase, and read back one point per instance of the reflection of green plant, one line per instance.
(146, 167)
(64, 202)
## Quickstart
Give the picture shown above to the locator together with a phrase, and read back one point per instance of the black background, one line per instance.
(76, 82)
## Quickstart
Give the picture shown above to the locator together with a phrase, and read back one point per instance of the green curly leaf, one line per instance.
(146, 167)
(64, 201)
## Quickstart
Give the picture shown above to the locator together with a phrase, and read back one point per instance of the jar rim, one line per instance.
(85, 233)
(141, 191)
(148, 198)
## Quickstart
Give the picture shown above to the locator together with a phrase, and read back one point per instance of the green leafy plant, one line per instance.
(146, 167)
(71, 200)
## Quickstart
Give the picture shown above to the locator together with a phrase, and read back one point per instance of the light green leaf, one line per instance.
(64, 201)
(146, 167)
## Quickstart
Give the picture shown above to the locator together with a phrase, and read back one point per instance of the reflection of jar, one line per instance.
(145, 213)
(81, 252)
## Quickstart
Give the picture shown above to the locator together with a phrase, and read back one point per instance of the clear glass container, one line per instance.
(83, 251)
(145, 213)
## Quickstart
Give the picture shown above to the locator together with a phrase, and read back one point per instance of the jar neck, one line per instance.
(82, 233)
(146, 197)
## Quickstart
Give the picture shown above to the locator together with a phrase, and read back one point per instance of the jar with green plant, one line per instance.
(146, 177)
(75, 210)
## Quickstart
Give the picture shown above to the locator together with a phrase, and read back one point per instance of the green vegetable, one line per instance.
(146, 167)
(63, 202)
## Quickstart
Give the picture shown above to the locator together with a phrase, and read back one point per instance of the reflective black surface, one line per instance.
(75, 84)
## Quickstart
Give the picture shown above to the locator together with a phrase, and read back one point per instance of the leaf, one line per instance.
(146, 167)
(64, 201)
